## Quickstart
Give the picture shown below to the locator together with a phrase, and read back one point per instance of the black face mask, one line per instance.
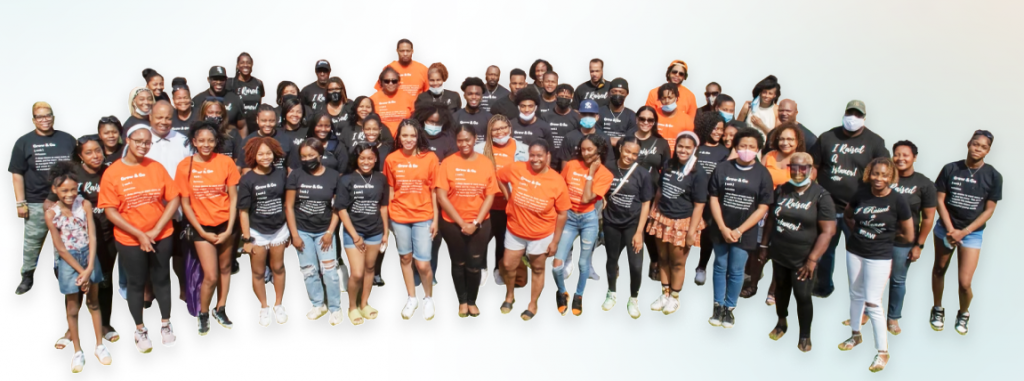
(311, 165)
(563, 102)
(215, 119)
(334, 96)
(617, 100)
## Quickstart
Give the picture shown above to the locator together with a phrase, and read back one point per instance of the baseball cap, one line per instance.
(588, 106)
(322, 65)
(619, 83)
(218, 72)
(857, 105)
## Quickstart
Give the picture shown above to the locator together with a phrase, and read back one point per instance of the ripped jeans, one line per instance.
(586, 226)
(316, 264)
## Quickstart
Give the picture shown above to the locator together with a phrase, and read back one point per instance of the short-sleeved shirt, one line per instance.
(876, 220)
(313, 96)
(478, 121)
(263, 197)
(182, 126)
(505, 106)
(251, 92)
(206, 187)
(335, 157)
(392, 109)
(468, 183)
(967, 190)
(490, 97)
(33, 156)
(575, 173)
(653, 153)
(616, 124)
(771, 163)
(313, 196)
(686, 102)
(281, 140)
(529, 133)
(670, 126)
(352, 134)
(442, 145)
(412, 79)
(448, 98)
(623, 207)
(362, 197)
(796, 222)
(535, 199)
(739, 194)
(708, 157)
(841, 160)
(920, 194)
(232, 104)
(503, 157)
(560, 126)
(232, 145)
(89, 189)
(680, 191)
(412, 178)
(571, 144)
(138, 193)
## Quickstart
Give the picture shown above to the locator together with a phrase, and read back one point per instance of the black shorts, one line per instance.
(223, 227)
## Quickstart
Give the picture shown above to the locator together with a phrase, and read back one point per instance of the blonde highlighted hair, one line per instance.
(39, 105)
(894, 176)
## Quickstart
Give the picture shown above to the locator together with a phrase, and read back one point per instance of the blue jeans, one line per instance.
(586, 226)
(898, 281)
(730, 261)
(316, 264)
(413, 238)
(66, 275)
(823, 285)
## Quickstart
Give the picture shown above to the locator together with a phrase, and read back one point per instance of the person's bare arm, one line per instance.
(233, 213)
(145, 241)
(559, 225)
(190, 215)
(826, 229)
(58, 243)
(19, 194)
(289, 216)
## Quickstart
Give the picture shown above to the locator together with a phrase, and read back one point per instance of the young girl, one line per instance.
(74, 237)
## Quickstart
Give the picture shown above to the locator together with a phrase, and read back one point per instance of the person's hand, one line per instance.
(326, 240)
(746, 104)
(956, 236)
(153, 234)
(359, 243)
(247, 248)
(732, 236)
(433, 230)
(594, 167)
(915, 254)
(223, 237)
(208, 237)
(638, 241)
(83, 282)
(468, 228)
(297, 242)
(145, 242)
(807, 271)
(383, 243)
(552, 248)
(756, 120)
(83, 277)
(23, 211)
(762, 254)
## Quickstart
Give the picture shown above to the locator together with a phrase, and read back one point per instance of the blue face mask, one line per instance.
(807, 180)
(432, 129)
(588, 122)
(727, 117)
(668, 108)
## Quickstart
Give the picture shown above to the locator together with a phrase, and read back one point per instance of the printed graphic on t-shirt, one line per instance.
(133, 197)
(265, 205)
(523, 199)
(957, 198)
(361, 204)
(44, 156)
(733, 200)
(781, 224)
(311, 207)
(838, 153)
(869, 228)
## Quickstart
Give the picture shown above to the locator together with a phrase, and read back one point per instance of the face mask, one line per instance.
(807, 180)
(334, 97)
(215, 119)
(432, 129)
(727, 117)
(501, 141)
(617, 100)
(137, 111)
(588, 122)
(526, 117)
(668, 108)
(310, 165)
(746, 155)
(436, 90)
(852, 123)
(711, 99)
(563, 102)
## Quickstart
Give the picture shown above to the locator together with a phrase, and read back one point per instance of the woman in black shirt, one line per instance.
(799, 227)
(338, 105)
(437, 123)
(213, 110)
(140, 104)
(351, 131)
(373, 136)
(625, 213)
(436, 95)
(335, 154)
(182, 100)
(967, 193)
(248, 88)
(709, 127)
(874, 216)
(109, 133)
(653, 153)
(155, 84)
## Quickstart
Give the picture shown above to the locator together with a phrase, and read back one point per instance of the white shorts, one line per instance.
(535, 247)
(267, 240)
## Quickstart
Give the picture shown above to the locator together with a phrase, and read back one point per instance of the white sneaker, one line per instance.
(700, 277)
(659, 304)
(142, 342)
(336, 318)
(483, 277)
(567, 270)
(609, 301)
(671, 305)
(316, 312)
(167, 335)
(497, 278)
(103, 354)
(593, 273)
(77, 362)
(633, 308)
(428, 308)
(280, 314)
(410, 307)
(344, 277)
(265, 317)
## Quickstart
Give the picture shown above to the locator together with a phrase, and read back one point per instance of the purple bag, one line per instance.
(193, 278)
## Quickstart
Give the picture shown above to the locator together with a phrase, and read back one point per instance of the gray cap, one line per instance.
(857, 105)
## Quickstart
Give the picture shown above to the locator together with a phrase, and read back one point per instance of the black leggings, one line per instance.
(499, 222)
(706, 247)
(142, 267)
(785, 279)
(467, 253)
(106, 253)
(615, 240)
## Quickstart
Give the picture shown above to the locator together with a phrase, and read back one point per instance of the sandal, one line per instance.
(506, 307)
(894, 327)
(770, 300)
(111, 336)
(881, 359)
(477, 311)
(526, 315)
(368, 312)
(804, 345)
(62, 343)
(748, 292)
(777, 333)
(853, 341)
(355, 316)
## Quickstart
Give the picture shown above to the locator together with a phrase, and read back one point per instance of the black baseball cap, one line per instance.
(322, 65)
(619, 83)
(218, 72)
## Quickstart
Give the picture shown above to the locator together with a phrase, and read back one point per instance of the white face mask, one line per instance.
(501, 141)
(711, 100)
(138, 111)
(437, 90)
(526, 117)
(852, 123)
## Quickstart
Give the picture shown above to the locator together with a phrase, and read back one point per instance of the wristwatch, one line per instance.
(921, 245)
(477, 224)
(247, 240)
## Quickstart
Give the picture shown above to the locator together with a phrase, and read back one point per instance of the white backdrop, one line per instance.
(929, 71)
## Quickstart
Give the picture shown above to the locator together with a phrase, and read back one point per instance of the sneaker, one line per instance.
(234, 265)
(961, 322)
(938, 318)
(593, 273)
(77, 362)
(167, 337)
(26, 285)
(410, 307)
(671, 305)
(280, 315)
(562, 301)
(204, 323)
(700, 277)
(609, 301)
(343, 270)
(142, 342)
(103, 354)
(428, 308)
(577, 305)
(336, 318)
(316, 312)
(497, 278)
(727, 318)
(567, 270)
(716, 316)
(378, 281)
(221, 315)
(265, 317)
(633, 307)
(659, 303)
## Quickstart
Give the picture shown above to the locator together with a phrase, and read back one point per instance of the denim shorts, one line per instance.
(371, 240)
(413, 238)
(66, 275)
(971, 241)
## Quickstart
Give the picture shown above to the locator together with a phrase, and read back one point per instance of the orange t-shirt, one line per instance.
(393, 109)
(575, 173)
(468, 183)
(779, 176)
(670, 126)
(535, 200)
(412, 180)
(503, 156)
(412, 79)
(138, 193)
(686, 102)
(206, 188)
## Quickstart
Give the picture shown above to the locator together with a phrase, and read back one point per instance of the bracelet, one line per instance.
(763, 246)
(21, 203)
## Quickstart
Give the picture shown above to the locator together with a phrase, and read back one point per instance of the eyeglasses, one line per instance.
(389, 81)
(645, 120)
(141, 142)
(801, 168)
(109, 120)
(42, 117)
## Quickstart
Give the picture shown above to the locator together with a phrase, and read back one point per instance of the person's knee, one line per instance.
(965, 284)
(423, 267)
(92, 304)
(558, 265)
(210, 279)
(328, 265)
(406, 259)
(73, 312)
(277, 268)
(308, 271)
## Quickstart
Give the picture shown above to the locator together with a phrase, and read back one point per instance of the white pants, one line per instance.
(868, 281)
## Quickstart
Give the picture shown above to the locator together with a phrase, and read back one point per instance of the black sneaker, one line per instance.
(378, 281)
(577, 305)
(204, 323)
(562, 301)
(727, 318)
(961, 322)
(221, 315)
(938, 318)
(716, 316)
(234, 265)
(26, 283)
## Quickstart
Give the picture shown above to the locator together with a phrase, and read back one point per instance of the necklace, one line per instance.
(365, 182)
(974, 171)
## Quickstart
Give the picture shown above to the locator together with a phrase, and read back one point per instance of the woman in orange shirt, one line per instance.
(413, 211)
(502, 150)
(465, 189)
(672, 120)
(538, 205)
(139, 198)
(392, 105)
(677, 72)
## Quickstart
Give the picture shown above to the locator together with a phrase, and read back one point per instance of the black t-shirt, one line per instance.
(292, 139)
(442, 145)
(587, 90)
(920, 194)
(561, 125)
(250, 92)
(545, 109)
(362, 196)
(876, 220)
(33, 156)
(263, 197)
(527, 134)
(572, 143)
(489, 97)
(478, 121)
(313, 96)
(130, 122)
(279, 164)
(653, 152)
(335, 157)
(708, 157)
(111, 158)
(679, 192)
(89, 188)
(384, 149)
(231, 101)
(447, 98)
(967, 190)
(506, 107)
(307, 117)
(180, 125)
(232, 146)
(841, 161)
(313, 199)
(350, 134)
(338, 122)
(622, 209)
(739, 194)
(796, 222)
(616, 124)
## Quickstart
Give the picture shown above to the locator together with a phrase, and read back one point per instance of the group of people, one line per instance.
(191, 178)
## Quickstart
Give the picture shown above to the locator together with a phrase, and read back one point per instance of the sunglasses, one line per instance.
(678, 72)
(645, 120)
(712, 94)
(389, 81)
(984, 133)
(802, 168)
(109, 120)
